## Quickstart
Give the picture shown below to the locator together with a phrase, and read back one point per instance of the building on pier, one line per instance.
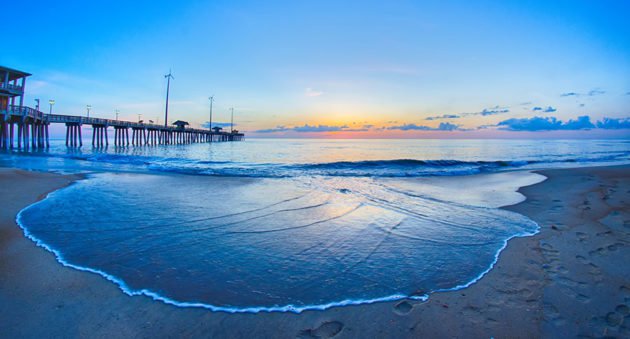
(14, 116)
(12, 84)
(181, 124)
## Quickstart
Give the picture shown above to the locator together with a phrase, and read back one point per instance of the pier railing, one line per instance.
(58, 118)
(34, 122)
(25, 112)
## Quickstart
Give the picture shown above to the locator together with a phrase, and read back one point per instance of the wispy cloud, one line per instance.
(444, 126)
(547, 109)
(595, 92)
(306, 128)
(309, 92)
(493, 111)
(484, 112)
(216, 124)
(273, 130)
(319, 128)
(488, 111)
(443, 116)
(591, 93)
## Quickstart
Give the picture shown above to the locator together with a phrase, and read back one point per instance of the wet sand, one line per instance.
(572, 279)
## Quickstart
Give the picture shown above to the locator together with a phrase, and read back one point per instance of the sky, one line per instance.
(335, 69)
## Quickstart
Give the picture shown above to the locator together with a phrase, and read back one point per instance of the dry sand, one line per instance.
(572, 279)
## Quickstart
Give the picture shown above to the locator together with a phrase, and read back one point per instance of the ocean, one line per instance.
(293, 224)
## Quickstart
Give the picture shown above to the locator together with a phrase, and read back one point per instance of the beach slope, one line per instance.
(571, 279)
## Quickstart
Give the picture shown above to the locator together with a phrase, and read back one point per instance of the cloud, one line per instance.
(611, 123)
(547, 109)
(493, 111)
(368, 126)
(306, 128)
(444, 126)
(546, 124)
(309, 92)
(596, 91)
(273, 130)
(488, 111)
(583, 122)
(447, 126)
(443, 116)
(216, 124)
(590, 93)
(319, 128)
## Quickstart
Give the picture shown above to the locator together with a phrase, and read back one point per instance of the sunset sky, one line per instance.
(336, 69)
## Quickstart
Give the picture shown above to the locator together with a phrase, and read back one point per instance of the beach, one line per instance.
(570, 279)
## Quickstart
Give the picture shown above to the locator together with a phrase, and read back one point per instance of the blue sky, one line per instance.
(335, 68)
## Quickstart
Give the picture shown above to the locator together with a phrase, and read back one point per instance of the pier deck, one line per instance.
(32, 130)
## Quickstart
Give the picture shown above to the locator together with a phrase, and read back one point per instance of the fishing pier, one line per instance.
(25, 127)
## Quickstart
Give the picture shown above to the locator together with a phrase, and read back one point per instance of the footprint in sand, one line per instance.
(581, 236)
(614, 319)
(623, 309)
(328, 329)
(551, 314)
(403, 308)
(614, 247)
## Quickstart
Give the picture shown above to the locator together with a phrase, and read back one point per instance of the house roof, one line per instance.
(181, 123)
(13, 73)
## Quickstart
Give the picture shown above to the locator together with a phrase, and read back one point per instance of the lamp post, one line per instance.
(37, 106)
(211, 98)
(51, 102)
(117, 112)
(89, 107)
(232, 121)
(168, 77)
(139, 117)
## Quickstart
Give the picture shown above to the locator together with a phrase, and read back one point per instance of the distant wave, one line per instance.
(368, 168)
(364, 168)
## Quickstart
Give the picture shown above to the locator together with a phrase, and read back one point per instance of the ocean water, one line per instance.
(292, 225)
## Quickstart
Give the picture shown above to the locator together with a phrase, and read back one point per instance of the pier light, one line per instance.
(89, 107)
(51, 102)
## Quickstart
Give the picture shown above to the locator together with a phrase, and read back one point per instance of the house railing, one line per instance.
(11, 87)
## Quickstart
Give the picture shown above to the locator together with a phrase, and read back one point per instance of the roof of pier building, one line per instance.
(13, 73)
(181, 124)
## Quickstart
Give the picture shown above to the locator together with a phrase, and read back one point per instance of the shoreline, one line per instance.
(202, 321)
(509, 194)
